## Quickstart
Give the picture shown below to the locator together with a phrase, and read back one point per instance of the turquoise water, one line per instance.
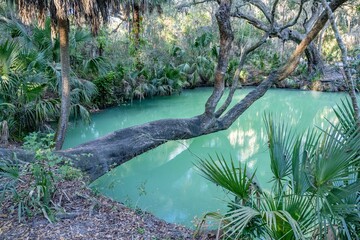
(164, 181)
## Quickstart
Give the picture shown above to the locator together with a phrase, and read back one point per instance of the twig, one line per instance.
(187, 5)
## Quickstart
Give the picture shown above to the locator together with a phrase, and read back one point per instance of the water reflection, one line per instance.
(164, 180)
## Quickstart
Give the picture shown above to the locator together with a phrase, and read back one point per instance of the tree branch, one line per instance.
(194, 3)
(262, 7)
(348, 77)
(226, 38)
(226, 120)
(295, 20)
(236, 77)
(315, 13)
(251, 20)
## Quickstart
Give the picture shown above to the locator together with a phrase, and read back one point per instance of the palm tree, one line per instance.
(316, 185)
(93, 11)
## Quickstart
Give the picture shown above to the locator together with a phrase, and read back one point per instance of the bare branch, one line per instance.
(315, 13)
(348, 77)
(226, 120)
(273, 10)
(262, 7)
(118, 26)
(295, 20)
(251, 20)
(193, 3)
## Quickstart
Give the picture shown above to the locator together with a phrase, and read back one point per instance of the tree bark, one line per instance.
(136, 28)
(226, 39)
(63, 26)
(99, 156)
(348, 77)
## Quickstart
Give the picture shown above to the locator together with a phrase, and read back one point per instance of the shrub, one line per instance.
(29, 188)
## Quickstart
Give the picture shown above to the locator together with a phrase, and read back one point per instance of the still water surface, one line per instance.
(164, 181)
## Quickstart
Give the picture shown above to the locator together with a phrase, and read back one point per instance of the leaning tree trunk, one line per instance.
(101, 155)
(63, 26)
(312, 53)
(348, 77)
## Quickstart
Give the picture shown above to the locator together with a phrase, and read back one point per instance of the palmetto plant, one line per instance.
(201, 67)
(315, 193)
(30, 80)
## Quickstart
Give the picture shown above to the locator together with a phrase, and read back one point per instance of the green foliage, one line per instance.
(265, 61)
(107, 86)
(230, 177)
(30, 187)
(199, 67)
(30, 80)
(315, 190)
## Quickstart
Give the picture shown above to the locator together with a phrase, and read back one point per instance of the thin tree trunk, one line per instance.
(348, 77)
(63, 26)
(4, 134)
(223, 15)
(313, 56)
(321, 38)
(136, 31)
(315, 63)
(136, 28)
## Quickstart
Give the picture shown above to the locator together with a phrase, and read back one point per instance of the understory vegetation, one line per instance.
(315, 185)
(32, 188)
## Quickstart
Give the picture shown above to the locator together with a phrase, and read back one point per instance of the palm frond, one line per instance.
(346, 115)
(97, 65)
(280, 140)
(304, 150)
(230, 177)
(237, 220)
(79, 112)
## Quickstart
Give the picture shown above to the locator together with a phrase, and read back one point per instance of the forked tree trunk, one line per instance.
(101, 155)
(63, 26)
